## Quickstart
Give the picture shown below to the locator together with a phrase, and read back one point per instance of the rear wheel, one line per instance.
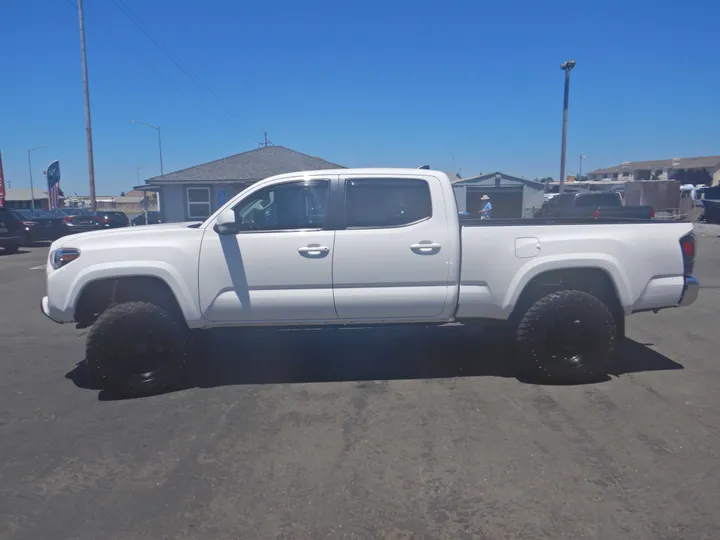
(567, 336)
(137, 348)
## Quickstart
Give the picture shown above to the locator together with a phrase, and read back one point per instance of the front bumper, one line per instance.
(45, 308)
(690, 291)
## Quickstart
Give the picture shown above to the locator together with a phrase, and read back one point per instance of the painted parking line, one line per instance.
(41, 267)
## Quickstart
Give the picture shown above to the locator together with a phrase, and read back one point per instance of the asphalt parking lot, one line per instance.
(362, 434)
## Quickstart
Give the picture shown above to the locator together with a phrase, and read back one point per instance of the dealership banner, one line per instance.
(2, 184)
(53, 184)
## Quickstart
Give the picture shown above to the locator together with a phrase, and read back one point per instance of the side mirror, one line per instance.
(226, 223)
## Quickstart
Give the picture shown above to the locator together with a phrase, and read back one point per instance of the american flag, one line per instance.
(53, 182)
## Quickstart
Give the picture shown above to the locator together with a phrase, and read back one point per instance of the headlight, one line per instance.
(61, 257)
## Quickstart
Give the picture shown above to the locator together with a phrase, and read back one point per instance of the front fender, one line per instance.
(179, 285)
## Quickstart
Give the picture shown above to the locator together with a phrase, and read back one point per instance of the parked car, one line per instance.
(595, 204)
(112, 220)
(79, 220)
(153, 218)
(364, 247)
(11, 231)
(40, 225)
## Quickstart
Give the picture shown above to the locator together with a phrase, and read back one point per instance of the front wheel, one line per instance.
(567, 336)
(137, 348)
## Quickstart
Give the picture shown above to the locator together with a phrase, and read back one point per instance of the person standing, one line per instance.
(486, 210)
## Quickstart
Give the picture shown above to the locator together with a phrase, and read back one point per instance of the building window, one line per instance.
(198, 202)
(381, 202)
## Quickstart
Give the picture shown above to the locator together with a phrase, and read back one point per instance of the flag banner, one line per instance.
(53, 183)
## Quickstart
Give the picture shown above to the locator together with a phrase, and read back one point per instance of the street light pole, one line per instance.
(159, 141)
(582, 156)
(32, 189)
(567, 68)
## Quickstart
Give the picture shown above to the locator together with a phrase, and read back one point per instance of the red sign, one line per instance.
(2, 184)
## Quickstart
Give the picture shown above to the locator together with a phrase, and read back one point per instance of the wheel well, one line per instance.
(98, 295)
(591, 280)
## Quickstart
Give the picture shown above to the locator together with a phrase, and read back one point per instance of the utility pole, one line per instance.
(32, 188)
(567, 68)
(266, 142)
(88, 123)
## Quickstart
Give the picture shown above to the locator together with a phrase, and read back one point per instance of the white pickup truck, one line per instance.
(362, 247)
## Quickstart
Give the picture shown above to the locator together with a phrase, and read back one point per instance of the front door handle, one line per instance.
(313, 249)
(425, 247)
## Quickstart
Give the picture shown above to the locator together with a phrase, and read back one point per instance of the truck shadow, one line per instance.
(332, 355)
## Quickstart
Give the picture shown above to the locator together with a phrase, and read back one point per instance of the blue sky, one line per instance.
(468, 85)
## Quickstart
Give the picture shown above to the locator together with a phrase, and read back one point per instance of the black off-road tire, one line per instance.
(567, 337)
(137, 348)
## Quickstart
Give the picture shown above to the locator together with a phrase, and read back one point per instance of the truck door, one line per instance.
(393, 252)
(279, 266)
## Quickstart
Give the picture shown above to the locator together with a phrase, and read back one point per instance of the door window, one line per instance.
(392, 202)
(290, 206)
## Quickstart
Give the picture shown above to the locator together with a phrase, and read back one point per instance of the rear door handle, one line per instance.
(425, 247)
(313, 249)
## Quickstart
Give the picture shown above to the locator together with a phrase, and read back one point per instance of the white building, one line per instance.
(697, 170)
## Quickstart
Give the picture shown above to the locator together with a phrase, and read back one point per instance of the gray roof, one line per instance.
(480, 178)
(24, 194)
(247, 167)
(674, 163)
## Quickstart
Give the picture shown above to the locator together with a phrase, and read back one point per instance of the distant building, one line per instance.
(22, 198)
(196, 192)
(697, 170)
(132, 202)
(511, 197)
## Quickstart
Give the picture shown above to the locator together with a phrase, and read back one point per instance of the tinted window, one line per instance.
(296, 205)
(565, 200)
(371, 202)
(598, 199)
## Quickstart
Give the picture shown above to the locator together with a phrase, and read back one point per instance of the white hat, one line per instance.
(484, 198)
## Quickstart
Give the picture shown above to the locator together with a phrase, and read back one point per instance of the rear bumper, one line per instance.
(690, 291)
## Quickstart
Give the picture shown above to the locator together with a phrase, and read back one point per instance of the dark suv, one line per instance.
(11, 231)
(112, 220)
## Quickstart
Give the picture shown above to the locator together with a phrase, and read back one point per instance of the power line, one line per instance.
(125, 11)
(148, 66)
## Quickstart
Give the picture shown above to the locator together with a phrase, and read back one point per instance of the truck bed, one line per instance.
(499, 257)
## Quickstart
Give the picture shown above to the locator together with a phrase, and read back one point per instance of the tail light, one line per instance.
(596, 213)
(652, 213)
(106, 219)
(687, 245)
(68, 219)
